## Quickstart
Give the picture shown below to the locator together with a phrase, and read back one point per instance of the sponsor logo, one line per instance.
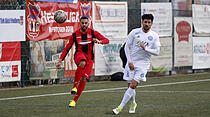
(127, 74)
(32, 19)
(201, 48)
(150, 38)
(4, 20)
(85, 9)
(14, 70)
(142, 75)
(5, 71)
(144, 42)
(89, 36)
(183, 30)
(86, 75)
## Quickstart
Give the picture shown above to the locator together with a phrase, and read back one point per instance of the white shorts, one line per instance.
(136, 74)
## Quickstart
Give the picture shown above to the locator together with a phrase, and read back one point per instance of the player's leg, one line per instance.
(79, 92)
(88, 68)
(133, 105)
(80, 60)
(133, 102)
(128, 75)
(129, 93)
(127, 96)
(139, 76)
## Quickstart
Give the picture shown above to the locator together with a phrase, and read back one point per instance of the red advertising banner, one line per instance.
(10, 61)
(40, 23)
(10, 51)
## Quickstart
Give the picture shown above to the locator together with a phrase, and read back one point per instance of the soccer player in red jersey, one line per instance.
(84, 39)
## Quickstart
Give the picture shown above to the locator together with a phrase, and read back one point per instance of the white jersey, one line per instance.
(135, 53)
(137, 36)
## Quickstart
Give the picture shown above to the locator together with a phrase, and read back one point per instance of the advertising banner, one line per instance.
(201, 52)
(44, 57)
(201, 19)
(182, 41)
(42, 28)
(10, 61)
(162, 13)
(111, 19)
(163, 62)
(12, 25)
(107, 59)
(40, 23)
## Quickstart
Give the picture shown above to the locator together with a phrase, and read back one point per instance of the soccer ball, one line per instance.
(60, 16)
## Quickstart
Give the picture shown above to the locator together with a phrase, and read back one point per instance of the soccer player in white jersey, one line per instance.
(140, 45)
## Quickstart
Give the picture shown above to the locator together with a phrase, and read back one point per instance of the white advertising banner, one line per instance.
(162, 13)
(201, 19)
(182, 41)
(107, 60)
(163, 62)
(10, 71)
(111, 19)
(12, 25)
(201, 52)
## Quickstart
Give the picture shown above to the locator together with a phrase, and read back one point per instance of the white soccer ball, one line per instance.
(60, 16)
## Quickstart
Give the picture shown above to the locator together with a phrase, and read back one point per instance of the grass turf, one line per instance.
(177, 100)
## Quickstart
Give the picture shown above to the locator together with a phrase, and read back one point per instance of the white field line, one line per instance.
(102, 90)
(147, 91)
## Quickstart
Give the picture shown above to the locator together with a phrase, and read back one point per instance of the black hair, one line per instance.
(147, 16)
(83, 17)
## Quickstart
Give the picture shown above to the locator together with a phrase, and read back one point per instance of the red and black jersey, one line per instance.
(77, 37)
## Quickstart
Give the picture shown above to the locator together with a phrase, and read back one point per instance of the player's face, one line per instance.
(147, 24)
(84, 23)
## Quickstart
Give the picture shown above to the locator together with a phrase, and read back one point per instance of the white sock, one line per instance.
(127, 96)
(133, 97)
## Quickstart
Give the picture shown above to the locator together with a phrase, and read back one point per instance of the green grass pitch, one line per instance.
(168, 96)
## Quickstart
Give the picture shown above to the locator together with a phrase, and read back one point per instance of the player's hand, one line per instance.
(58, 66)
(143, 46)
(131, 66)
(97, 41)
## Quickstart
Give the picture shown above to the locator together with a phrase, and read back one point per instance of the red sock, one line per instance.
(78, 75)
(80, 89)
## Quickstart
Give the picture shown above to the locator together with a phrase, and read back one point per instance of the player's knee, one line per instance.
(132, 86)
(82, 64)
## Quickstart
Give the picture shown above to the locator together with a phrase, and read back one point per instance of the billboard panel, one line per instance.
(10, 61)
(182, 41)
(12, 25)
(163, 62)
(111, 19)
(40, 23)
(201, 19)
(201, 52)
(162, 13)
